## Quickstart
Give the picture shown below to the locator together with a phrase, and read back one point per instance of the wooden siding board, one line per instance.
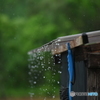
(93, 83)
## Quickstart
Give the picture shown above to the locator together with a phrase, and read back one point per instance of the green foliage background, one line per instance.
(27, 24)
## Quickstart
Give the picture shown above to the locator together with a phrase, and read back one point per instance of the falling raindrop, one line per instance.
(49, 62)
(42, 66)
(58, 82)
(43, 76)
(29, 73)
(42, 71)
(34, 82)
(59, 40)
(46, 89)
(59, 72)
(53, 73)
(53, 96)
(35, 77)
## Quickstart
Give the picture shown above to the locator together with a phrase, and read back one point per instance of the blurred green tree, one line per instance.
(25, 25)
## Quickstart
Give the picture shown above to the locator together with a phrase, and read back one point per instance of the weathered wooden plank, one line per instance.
(92, 47)
(76, 42)
(94, 60)
(82, 52)
(58, 45)
(93, 83)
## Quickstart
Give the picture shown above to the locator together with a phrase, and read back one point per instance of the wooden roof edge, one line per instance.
(74, 40)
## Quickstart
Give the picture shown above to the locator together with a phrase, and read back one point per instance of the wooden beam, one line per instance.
(93, 83)
(59, 45)
(87, 51)
(74, 43)
(94, 47)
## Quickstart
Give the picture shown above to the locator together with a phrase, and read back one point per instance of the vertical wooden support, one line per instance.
(80, 81)
(64, 77)
(64, 68)
(93, 83)
(93, 75)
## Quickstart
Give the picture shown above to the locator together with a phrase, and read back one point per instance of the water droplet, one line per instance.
(43, 76)
(59, 62)
(29, 73)
(46, 89)
(59, 72)
(41, 57)
(34, 82)
(59, 40)
(49, 62)
(58, 82)
(38, 57)
(53, 73)
(35, 77)
(34, 55)
(42, 66)
(49, 68)
(53, 96)
(48, 92)
(57, 43)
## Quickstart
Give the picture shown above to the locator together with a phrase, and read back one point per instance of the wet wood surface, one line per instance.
(59, 45)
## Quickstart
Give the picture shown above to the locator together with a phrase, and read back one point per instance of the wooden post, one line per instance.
(93, 75)
(93, 83)
(90, 53)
